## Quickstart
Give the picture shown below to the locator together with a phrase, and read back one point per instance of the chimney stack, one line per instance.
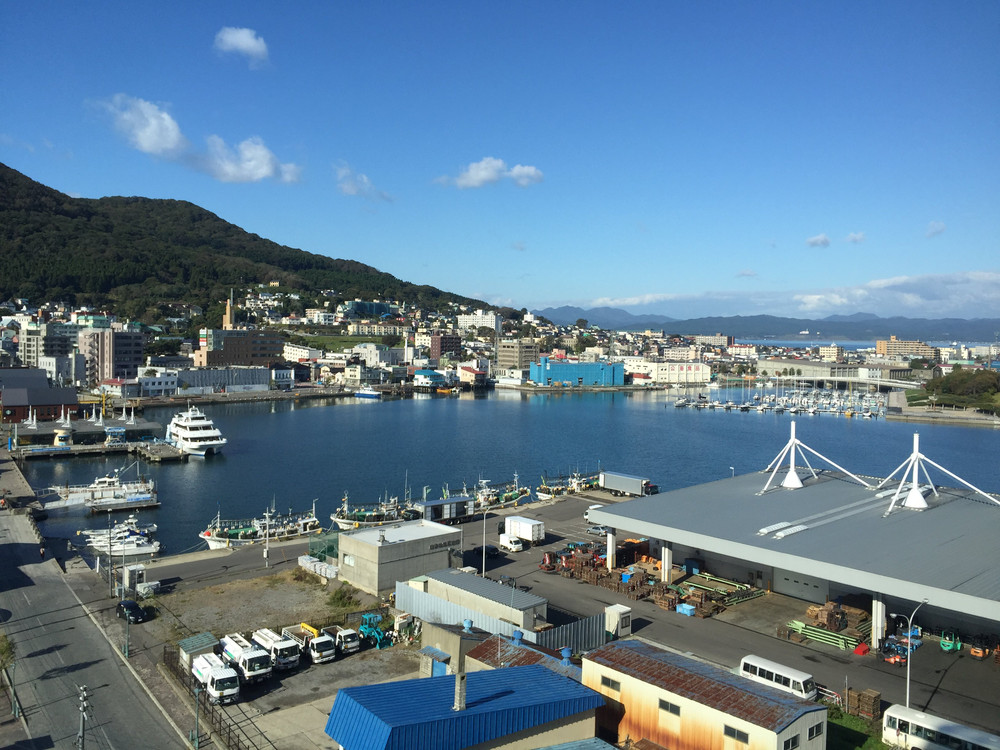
(459, 692)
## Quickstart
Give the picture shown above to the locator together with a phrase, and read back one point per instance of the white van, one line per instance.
(510, 543)
(586, 513)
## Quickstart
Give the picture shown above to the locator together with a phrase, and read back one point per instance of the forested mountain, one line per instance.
(137, 255)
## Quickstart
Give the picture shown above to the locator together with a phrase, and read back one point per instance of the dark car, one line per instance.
(491, 551)
(131, 611)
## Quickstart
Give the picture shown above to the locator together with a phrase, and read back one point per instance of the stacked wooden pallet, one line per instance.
(865, 703)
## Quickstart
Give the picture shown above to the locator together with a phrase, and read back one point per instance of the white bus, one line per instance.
(778, 676)
(906, 728)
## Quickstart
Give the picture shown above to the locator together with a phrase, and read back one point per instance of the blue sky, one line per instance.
(686, 159)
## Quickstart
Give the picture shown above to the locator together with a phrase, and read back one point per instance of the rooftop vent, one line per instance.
(773, 527)
(788, 532)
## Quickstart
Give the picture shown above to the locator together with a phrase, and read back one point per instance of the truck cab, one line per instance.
(510, 543)
(284, 652)
(251, 662)
(221, 682)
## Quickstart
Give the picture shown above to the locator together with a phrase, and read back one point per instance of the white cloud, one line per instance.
(524, 176)
(489, 170)
(243, 42)
(746, 273)
(519, 245)
(964, 294)
(637, 300)
(856, 237)
(935, 228)
(483, 172)
(820, 240)
(251, 161)
(147, 127)
(350, 182)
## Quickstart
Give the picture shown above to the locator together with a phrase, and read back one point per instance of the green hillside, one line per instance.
(136, 255)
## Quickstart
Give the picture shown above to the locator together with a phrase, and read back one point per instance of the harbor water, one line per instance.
(288, 453)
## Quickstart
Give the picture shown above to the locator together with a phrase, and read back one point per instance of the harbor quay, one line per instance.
(962, 692)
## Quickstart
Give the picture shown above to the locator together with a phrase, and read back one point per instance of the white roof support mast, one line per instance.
(914, 495)
(792, 480)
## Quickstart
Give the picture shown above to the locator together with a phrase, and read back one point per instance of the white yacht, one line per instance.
(194, 433)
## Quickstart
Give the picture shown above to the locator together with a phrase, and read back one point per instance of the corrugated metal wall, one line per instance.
(582, 635)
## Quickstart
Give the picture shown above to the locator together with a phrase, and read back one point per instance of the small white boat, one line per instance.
(125, 545)
(110, 492)
(367, 392)
(194, 433)
(129, 526)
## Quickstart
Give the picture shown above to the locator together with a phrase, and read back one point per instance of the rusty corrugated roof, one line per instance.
(498, 652)
(703, 683)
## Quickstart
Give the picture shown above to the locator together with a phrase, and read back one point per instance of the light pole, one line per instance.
(485, 513)
(732, 472)
(196, 739)
(909, 651)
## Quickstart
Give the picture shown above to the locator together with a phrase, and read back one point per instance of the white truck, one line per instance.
(251, 662)
(221, 682)
(283, 651)
(586, 513)
(528, 530)
(318, 646)
(626, 484)
(346, 639)
(510, 543)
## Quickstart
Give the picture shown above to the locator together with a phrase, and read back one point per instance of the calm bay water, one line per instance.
(292, 452)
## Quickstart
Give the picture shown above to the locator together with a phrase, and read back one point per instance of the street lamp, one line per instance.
(732, 471)
(485, 513)
(909, 651)
(196, 739)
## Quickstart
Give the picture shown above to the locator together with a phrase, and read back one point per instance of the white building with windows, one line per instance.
(479, 319)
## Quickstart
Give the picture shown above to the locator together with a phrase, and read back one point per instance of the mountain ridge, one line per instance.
(856, 327)
(140, 254)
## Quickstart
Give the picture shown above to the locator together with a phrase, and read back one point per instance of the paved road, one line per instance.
(951, 685)
(60, 647)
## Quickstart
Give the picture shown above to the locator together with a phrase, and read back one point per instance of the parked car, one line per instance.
(131, 611)
(491, 551)
(598, 530)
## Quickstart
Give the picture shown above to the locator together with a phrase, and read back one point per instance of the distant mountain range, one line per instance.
(856, 327)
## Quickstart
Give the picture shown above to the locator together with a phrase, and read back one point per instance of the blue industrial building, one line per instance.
(531, 702)
(546, 372)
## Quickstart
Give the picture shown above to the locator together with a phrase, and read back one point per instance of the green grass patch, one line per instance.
(847, 732)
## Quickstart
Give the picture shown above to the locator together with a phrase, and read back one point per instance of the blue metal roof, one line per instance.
(418, 713)
(435, 653)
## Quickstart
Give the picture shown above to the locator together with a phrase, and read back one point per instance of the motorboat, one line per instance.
(194, 433)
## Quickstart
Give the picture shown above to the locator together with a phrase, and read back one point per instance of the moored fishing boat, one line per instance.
(110, 492)
(367, 392)
(270, 527)
(348, 517)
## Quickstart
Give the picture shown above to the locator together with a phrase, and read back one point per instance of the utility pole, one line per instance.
(80, 737)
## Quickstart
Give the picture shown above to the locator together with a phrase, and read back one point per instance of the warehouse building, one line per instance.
(374, 558)
(822, 534)
(548, 373)
(675, 701)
